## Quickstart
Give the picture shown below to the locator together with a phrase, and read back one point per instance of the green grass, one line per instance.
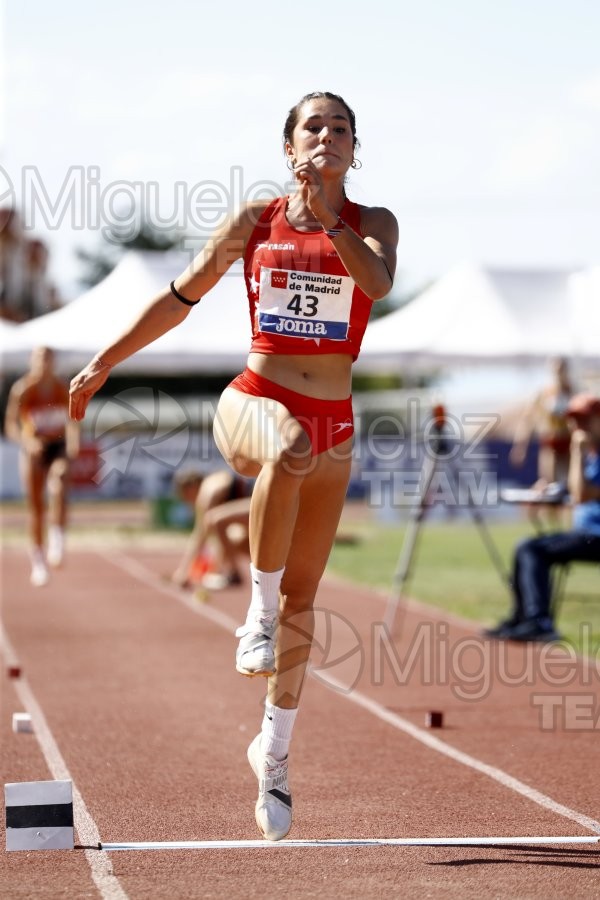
(452, 570)
(451, 567)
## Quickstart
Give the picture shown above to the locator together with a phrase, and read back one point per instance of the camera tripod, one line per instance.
(438, 451)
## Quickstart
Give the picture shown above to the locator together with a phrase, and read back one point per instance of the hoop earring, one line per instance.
(356, 164)
(290, 163)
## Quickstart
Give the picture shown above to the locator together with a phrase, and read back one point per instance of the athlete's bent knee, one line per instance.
(248, 468)
(57, 482)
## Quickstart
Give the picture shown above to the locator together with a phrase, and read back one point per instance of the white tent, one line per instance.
(214, 337)
(8, 335)
(585, 300)
(471, 315)
(483, 315)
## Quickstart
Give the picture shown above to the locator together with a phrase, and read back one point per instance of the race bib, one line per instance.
(49, 421)
(305, 304)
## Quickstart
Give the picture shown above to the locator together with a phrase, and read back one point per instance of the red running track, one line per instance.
(135, 697)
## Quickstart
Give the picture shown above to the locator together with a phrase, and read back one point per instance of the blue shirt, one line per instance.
(586, 516)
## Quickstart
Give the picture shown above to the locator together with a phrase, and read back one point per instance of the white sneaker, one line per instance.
(273, 808)
(255, 654)
(56, 546)
(39, 573)
(214, 581)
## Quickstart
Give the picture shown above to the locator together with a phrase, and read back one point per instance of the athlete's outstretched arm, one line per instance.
(163, 313)
(166, 310)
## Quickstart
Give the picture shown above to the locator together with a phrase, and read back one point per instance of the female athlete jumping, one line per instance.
(314, 262)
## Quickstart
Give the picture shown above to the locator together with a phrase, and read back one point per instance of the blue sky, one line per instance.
(479, 121)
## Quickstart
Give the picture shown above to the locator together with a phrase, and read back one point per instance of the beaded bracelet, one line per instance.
(337, 229)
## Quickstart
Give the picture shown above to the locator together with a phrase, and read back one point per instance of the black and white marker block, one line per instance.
(39, 815)
(21, 723)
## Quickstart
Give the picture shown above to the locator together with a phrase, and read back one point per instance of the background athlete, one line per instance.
(314, 262)
(37, 419)
(221, 502)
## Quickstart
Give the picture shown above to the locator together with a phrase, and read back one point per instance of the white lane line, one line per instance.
(351, 842)
(138, 570)
(142, 573)
(466, 759)
(100, 864)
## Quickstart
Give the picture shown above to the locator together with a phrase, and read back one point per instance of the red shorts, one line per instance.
(326, 422)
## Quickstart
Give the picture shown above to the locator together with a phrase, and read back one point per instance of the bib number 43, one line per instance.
(306, 305)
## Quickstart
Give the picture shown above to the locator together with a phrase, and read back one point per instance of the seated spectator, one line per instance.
(531, 619)
(221, 503)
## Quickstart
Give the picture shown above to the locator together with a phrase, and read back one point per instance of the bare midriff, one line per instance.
(327, 377)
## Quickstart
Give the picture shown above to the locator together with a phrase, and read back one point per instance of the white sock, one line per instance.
(276, 731)
(265, 593)
(37, 556)
(56, 533)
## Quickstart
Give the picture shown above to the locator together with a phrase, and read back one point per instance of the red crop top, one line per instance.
(302, 300)
(44, 412)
